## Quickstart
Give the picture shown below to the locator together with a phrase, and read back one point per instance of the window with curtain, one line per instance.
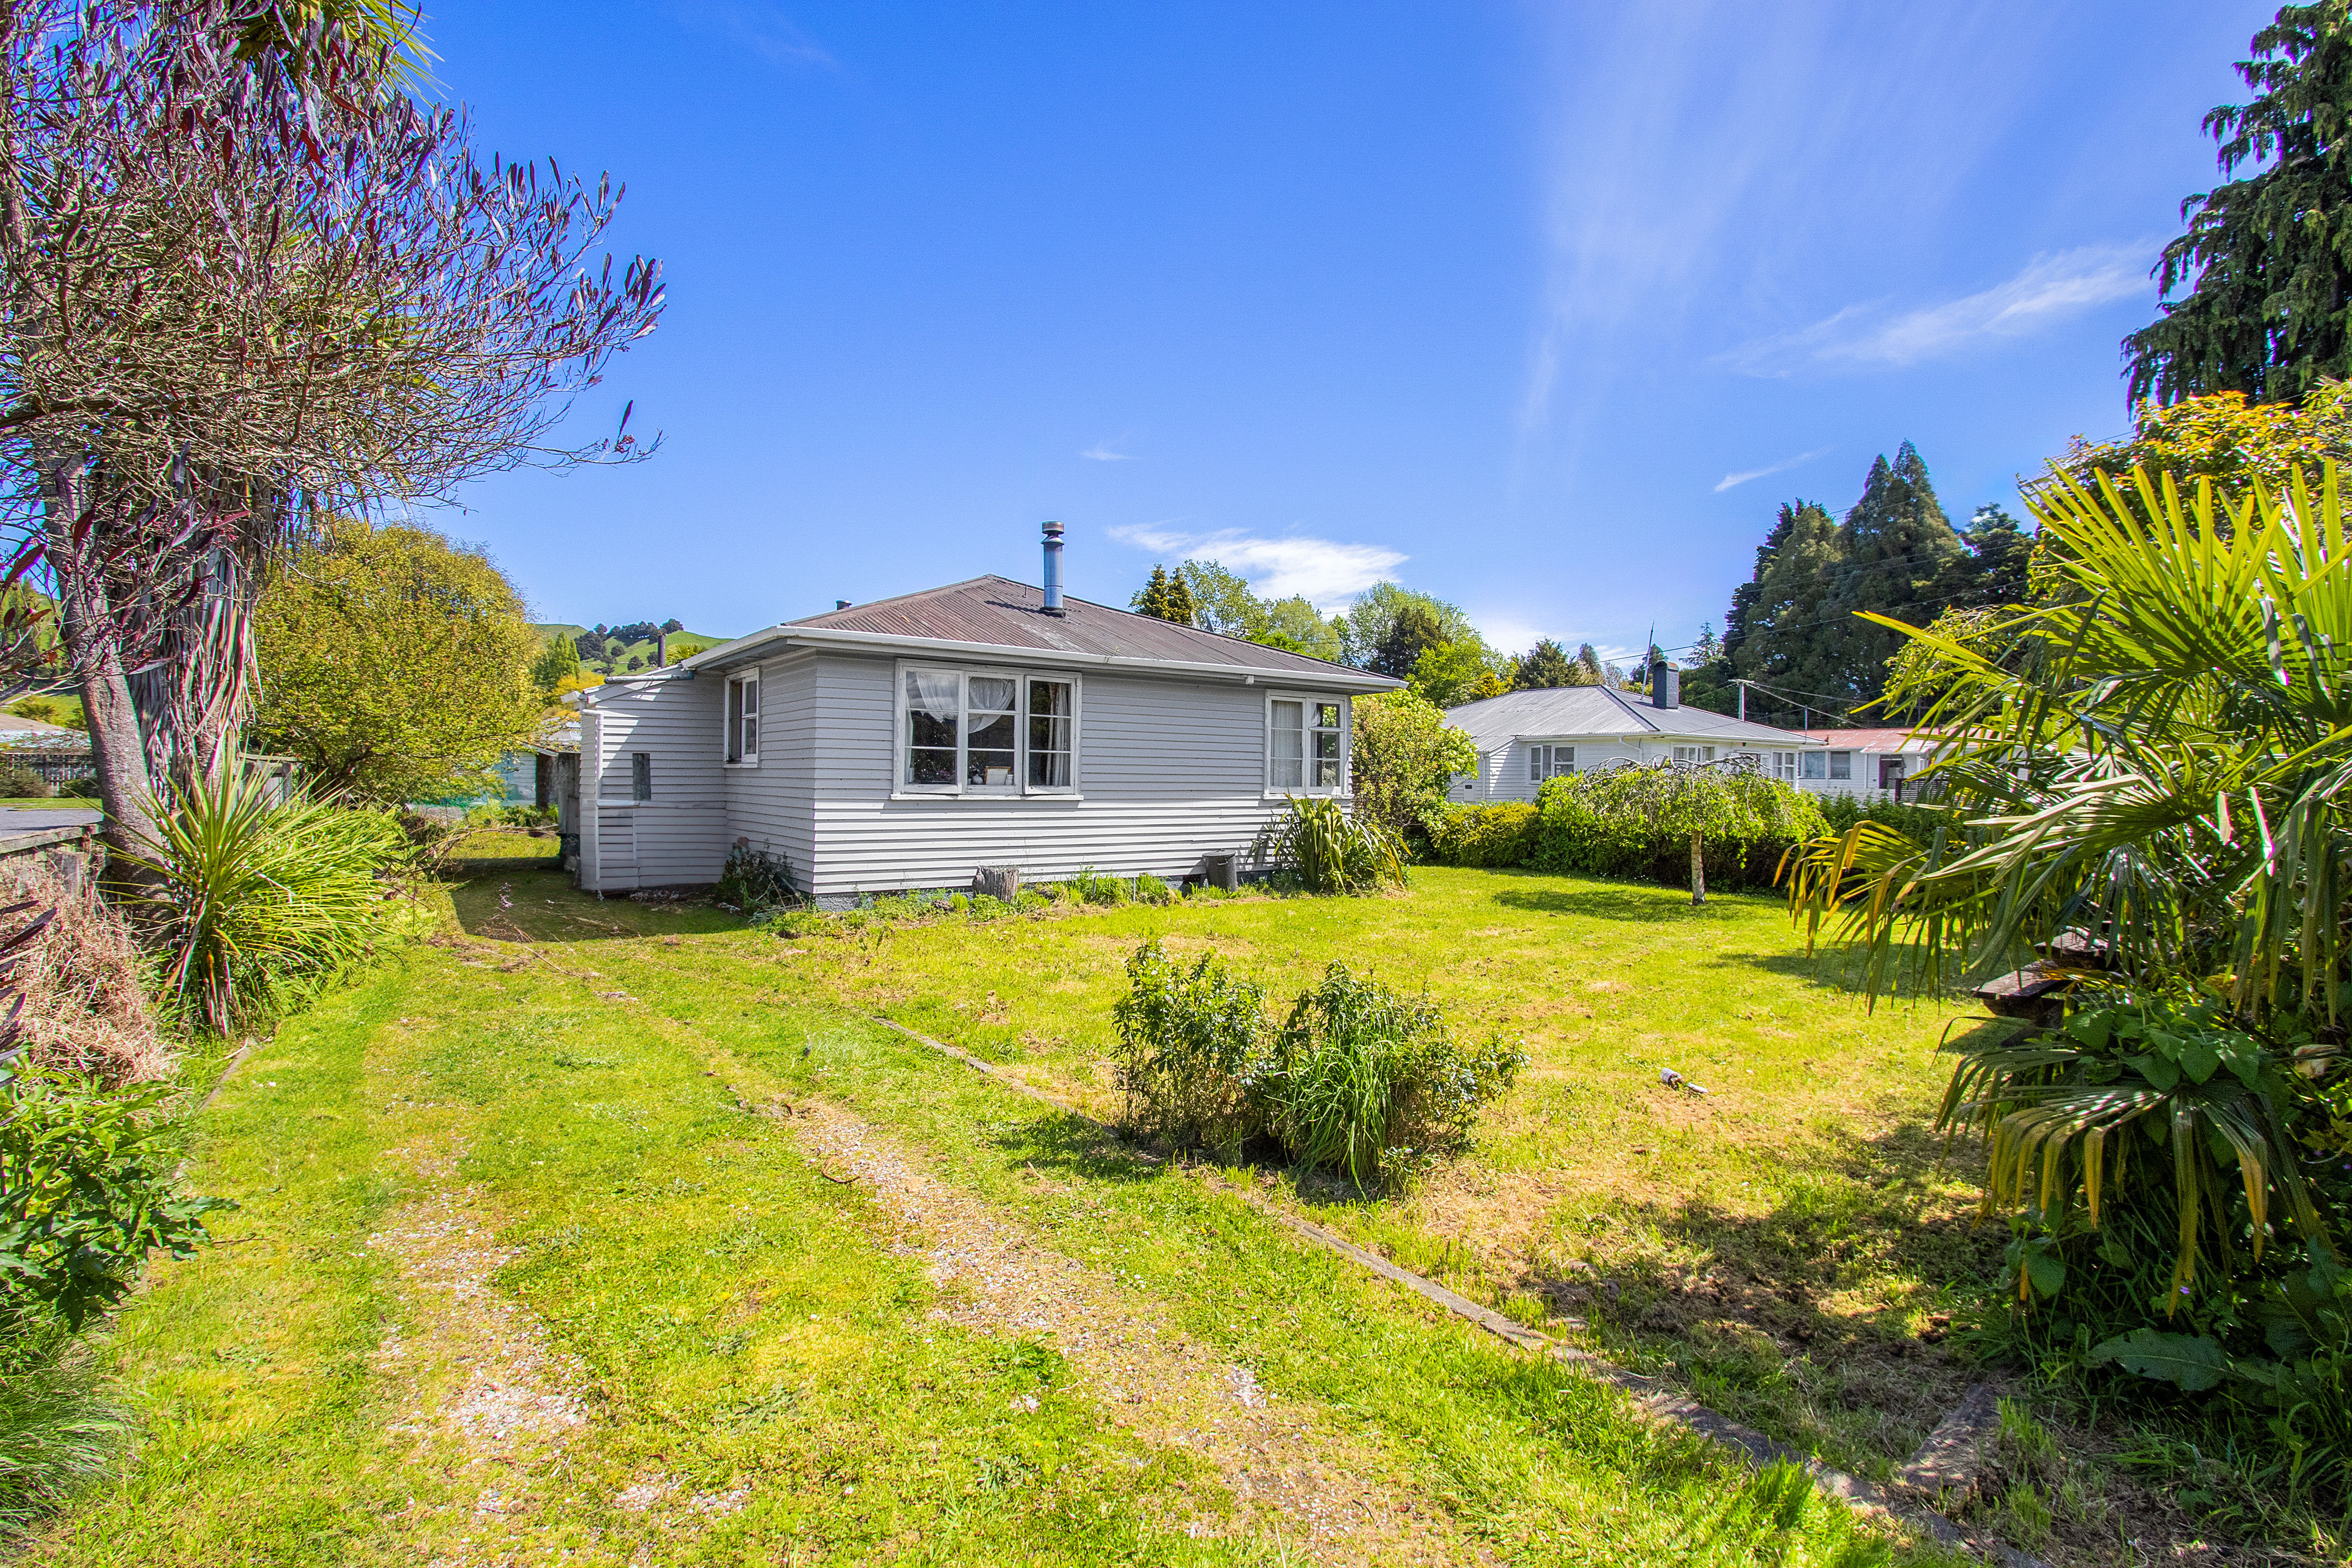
(1053, 735)
(1812, 765)
(1306, 745)
(984, 732)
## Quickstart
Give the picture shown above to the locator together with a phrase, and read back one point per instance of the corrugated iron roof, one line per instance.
(1004, 613)
(1878, 739)
(1602, 710)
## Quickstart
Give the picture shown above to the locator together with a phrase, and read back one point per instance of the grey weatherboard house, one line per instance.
(907, 743)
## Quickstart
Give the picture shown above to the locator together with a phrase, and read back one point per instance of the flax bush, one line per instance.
(1331, 851)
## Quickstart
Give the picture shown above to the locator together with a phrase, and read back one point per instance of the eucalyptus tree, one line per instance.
(248, 282)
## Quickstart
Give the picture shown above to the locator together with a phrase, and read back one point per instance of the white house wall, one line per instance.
(772, 806)
(1169, 770)
(679, 835)
(1503, 772)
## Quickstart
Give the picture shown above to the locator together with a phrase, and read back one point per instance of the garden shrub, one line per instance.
(1918, 823)
(79, 788)
(1601, 824)
(1192, 1051)
(2174, 1282)
(87, 1193)
(1369, 1082)
(18, 783)
(1498, 833)
(754, 881)
(1149, 889)
(1331, 852)
(1356, 1078)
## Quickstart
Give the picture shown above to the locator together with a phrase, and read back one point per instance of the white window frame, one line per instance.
(731, 754)
(900, 788)
(1548, 760)
(1694, 754)
(1784, 767)
(1841, 760)
(1341, 791)
(1813, 767)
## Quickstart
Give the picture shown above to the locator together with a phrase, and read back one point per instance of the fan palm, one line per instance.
(2157, 758)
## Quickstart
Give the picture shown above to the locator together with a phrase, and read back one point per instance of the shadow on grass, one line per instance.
(1059, 1143)
(544, 906)
(1628, 901)
(1826, 1314)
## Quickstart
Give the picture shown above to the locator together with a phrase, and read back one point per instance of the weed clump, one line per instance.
(1356, 1077)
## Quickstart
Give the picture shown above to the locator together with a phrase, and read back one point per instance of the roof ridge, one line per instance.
(871, 603)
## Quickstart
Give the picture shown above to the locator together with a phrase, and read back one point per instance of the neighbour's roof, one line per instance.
(1876, 739)
(998, 612)
(1603, 710)
(17, 730)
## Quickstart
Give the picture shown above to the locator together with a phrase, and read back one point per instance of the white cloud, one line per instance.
(1729, 480)
(1326, 571)
(763, 30)
(1866, 338)
(1101, 452)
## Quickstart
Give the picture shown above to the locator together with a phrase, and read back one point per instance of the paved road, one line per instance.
(33, 819)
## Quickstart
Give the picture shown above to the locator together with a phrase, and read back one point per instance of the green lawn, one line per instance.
(610, 1232)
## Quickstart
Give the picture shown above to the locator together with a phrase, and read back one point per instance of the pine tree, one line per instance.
(1164, 597)
(1589, 671)
(1896, 544)
(2269, 310)
(1413, 629)
(1545, 664)
(1790, 621)
(1743, 598)
(1180, 608)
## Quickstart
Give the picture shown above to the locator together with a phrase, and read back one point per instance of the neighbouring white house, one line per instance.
(1525, 738)
(904, 744)
(1867, 761)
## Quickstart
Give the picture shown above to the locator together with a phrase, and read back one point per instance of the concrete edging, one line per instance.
(1651, 1394)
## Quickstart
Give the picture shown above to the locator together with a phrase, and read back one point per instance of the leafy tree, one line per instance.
(394, 664)
(1589, 671)
(1548, 664)
(1222, 599)
(2269, 309)
(1365, 629)
(1404, 760)
(1165, 598)
(1303, 629)
(1413, 630)
(1452, 674)
(1709, 647)
(2226, 438)
(557, 662)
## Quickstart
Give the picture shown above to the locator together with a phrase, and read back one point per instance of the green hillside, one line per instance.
(622, 650)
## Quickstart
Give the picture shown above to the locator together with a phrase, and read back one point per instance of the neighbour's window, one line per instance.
(1784, 766)
(1053, 734)
(1840, 764)
(641, 775)
(1550, 762)
(1693, 752)
(1813, 765)
(743, 718)
(1304, 747)
(965, 732)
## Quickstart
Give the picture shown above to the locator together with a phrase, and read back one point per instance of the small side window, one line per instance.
(1840, 764)
(641, 775)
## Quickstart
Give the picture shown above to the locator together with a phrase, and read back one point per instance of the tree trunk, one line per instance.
(117, 745)
(1698, 868)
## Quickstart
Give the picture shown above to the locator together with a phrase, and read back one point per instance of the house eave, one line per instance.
(743, 648)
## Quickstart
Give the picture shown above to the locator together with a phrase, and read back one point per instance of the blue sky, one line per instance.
(1541, 308)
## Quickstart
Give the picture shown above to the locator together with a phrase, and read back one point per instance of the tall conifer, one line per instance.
(1896, 544)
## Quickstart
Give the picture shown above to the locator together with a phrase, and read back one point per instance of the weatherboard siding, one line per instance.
(771, 807)
(1169, 770)
(679, 836)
